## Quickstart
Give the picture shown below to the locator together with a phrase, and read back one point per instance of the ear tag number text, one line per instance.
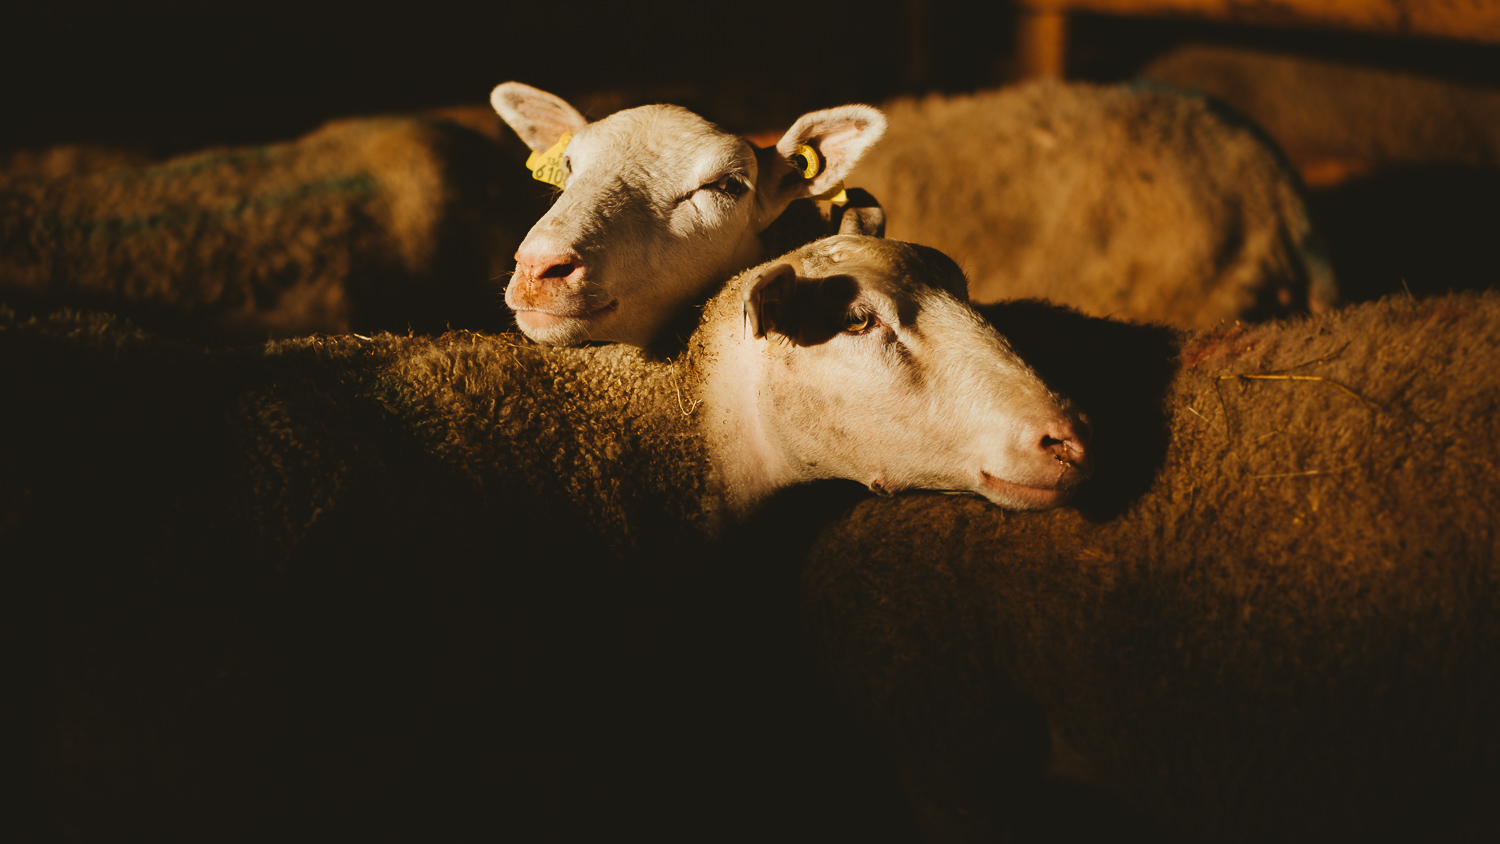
(547, 166)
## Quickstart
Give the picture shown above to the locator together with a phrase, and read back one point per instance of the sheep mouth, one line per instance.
(554, 315)
(1018, 496)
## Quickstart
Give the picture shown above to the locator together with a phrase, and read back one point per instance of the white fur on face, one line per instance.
(871, 368)
(659, 206)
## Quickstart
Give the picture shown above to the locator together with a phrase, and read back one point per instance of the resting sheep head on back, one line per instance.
(860, 358)
(658, 206)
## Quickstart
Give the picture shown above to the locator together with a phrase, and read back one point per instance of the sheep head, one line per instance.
(862, 359)
(658, 206)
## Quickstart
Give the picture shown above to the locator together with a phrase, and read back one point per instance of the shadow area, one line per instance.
(1427, 229)
(1117, 374)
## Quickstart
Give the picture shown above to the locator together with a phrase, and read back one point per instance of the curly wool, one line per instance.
(368, 224)
(1272, 617)
(412, 570)
(1131, 202)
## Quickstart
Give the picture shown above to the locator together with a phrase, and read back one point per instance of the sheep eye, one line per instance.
(729, 186)
(567, 164)
(855, 322)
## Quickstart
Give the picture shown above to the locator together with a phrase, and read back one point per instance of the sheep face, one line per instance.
(872, 366)
(658, 206)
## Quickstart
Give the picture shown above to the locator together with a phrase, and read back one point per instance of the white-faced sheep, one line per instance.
(368, 224)
(407, 586)
(660, 206)
(1123, 201)
(1273, 615)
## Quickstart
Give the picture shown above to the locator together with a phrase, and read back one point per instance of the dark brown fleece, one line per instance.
(403, 586)
(1122, 201)
(1274, 616)
(1345, 111)
(369, 224)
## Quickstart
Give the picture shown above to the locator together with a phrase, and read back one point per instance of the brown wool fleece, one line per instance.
(1120, 201)
(1359, 114)
(277, 582)
(1271, 615)
(382, 223)
(308, 422)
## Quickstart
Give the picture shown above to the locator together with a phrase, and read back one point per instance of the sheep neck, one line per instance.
(747, 467)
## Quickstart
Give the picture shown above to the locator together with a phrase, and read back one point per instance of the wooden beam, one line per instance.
(1466, 20)
(1041, 42)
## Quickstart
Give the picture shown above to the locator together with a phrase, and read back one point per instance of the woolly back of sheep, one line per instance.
(1272, 615)
(1346, 112)
(324, 542)
(1131, 202)
(383, 223)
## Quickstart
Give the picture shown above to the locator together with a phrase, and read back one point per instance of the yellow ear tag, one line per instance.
(547, 166)
(810, 164)
(834, 194)
(807, 161)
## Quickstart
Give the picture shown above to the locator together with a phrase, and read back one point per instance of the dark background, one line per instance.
(167, 76)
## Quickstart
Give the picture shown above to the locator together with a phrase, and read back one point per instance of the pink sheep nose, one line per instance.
(549, 277)
(1067, 443)
(563, 265)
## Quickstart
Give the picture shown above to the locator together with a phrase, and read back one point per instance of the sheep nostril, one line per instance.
(549, 264)
(1060, 449)
(559, 270)
(1067, 448)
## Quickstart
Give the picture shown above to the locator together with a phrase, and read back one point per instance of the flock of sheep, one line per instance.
(1187, 533)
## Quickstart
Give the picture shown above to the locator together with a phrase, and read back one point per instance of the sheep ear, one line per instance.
(765, 298)
(862, 214)
(818, 153)
(538, 117)
(944, 272)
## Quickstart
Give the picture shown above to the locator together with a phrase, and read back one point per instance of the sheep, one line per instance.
(68, 160)
(1270, 616)
(363, 224)
(1404, 166)
(659, 207)
(1135, 202)
(405, 586)
(1342, 112)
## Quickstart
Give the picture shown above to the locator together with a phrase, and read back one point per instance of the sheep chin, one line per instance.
(561, 329)
(1015, 496)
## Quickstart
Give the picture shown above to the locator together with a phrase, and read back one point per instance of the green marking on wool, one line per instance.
(195, 165)
(246, 206)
